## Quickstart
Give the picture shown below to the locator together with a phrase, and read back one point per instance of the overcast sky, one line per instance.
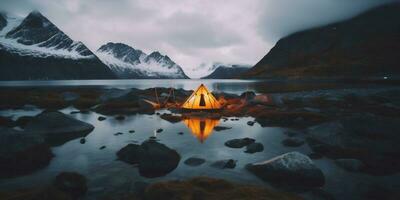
(191, 32)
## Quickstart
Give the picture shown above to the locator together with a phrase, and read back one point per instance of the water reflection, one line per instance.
(200, 127)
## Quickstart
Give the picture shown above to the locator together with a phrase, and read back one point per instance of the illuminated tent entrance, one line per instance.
(201, 99)
(201, 127)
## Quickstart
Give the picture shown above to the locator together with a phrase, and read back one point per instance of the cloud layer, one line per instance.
(190, 32)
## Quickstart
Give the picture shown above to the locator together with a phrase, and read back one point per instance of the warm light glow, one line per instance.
(201, 99)
(201, 127)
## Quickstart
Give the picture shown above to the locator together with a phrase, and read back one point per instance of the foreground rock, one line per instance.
(239, 143)
(22, 153)
(368, 138)
(57, 128)
(291, 169)
(211, 189)
(154, 159)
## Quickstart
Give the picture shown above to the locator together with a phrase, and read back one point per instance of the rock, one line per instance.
(102, 147)
(352, 165)
(251, 123)
(171, 118)
(74, 112)
(292, 142)
(82, 141)
(119, 117)
(222, 164)
(159, 130)
(157, 159)
(130, 153)
(71, 183)
(180, 133)
(371, 139)
(272, 118)
(211, 189)
(292, 133)
(57, 128)
(291, 169)
(254, 147)
(23, 121)
(22, 153)
(131, 131)
(239, 143)
(101, 118)
(118, 133)
(154, 159)
(221, 128)
(248, 95)
(194, 161)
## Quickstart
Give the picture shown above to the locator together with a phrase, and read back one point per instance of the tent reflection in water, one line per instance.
(201, 99)
(201, 127)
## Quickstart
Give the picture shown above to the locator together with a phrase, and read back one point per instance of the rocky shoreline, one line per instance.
(358, 132)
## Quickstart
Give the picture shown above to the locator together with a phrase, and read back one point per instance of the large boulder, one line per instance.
(153, 158)
(291, 169)
(21, 152)
(57, 128)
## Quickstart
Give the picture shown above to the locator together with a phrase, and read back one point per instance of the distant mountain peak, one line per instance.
(128, 62)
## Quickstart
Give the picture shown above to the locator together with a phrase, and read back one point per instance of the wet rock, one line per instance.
(171, 118)
(251, 123)
(159, 130)
(180, 133)
(194, 161)
(291, 169)
(22, 153)
(248, 95)
(102, 147)
(119, 117)
(254, 147)
(154, 159)
(272, 118)
(101, 118)
(292, 142)
(118, 133)
(130, 153)
(57, 128)
(23, 121)
(131, 131)
(222, 128)
(223, 164)
(157, 159)
(82, 141)
(368, 138)
(75, 112)
(211, 189)
(239, 143)
(71, 183)
(352, 165)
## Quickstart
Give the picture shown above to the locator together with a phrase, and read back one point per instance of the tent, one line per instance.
(201, 99)
(201, 127)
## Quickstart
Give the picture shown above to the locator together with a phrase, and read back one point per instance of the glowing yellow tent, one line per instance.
(201, 127)
(201, 99)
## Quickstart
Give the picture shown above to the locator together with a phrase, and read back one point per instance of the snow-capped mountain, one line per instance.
(127, 62)
(225, 71)
(34, 48)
